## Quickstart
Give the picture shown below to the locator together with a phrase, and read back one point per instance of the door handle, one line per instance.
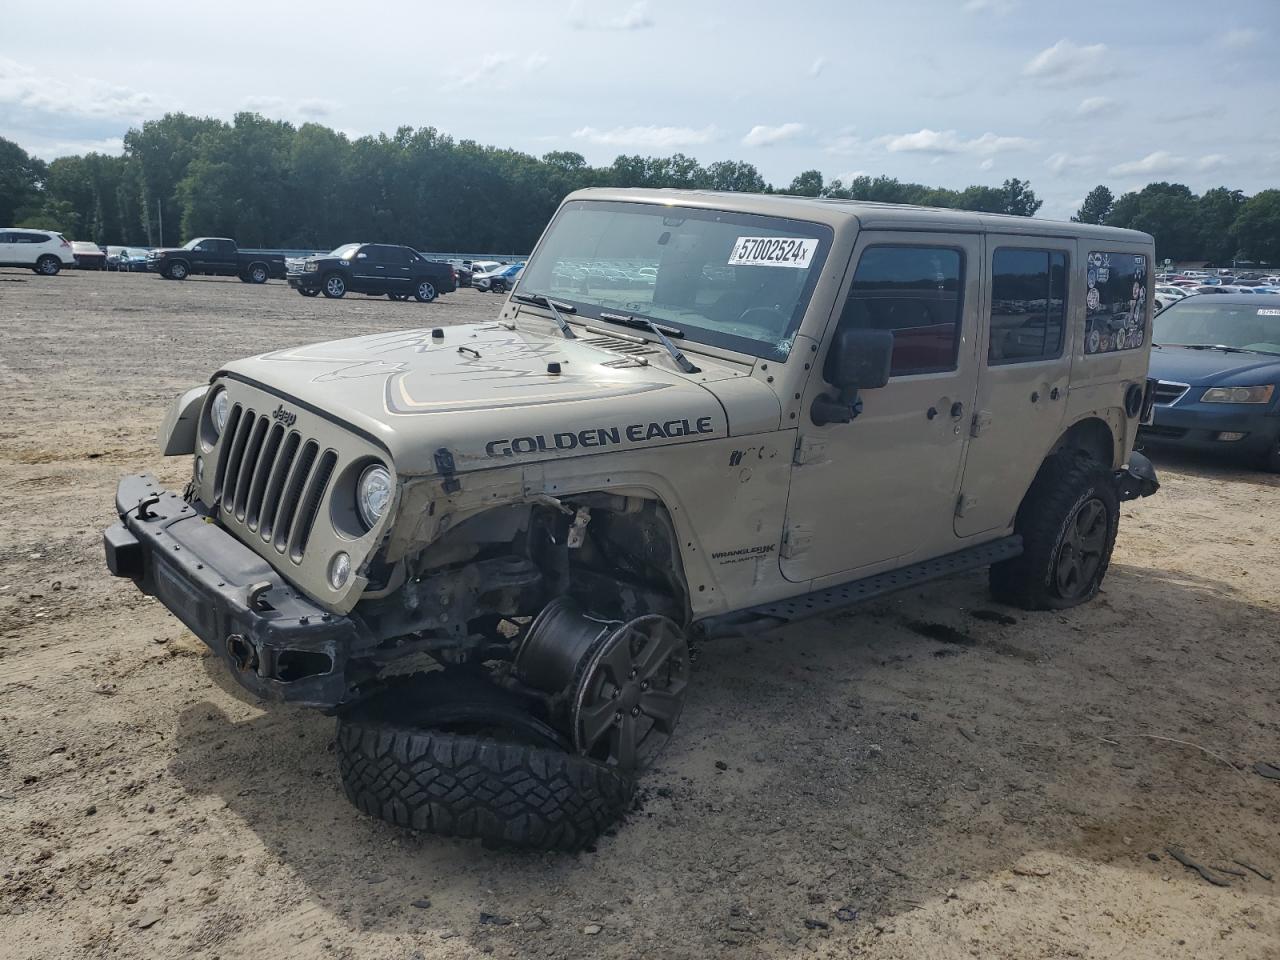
(957, 410)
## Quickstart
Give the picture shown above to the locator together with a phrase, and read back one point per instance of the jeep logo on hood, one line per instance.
(286, 417)
(598, 437)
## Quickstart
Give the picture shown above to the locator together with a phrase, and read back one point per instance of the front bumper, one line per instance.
(278, 644)
(304, 281)
(1190, 424)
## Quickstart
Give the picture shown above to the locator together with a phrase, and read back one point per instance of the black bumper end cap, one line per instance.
(1137, 478)
(124, 552)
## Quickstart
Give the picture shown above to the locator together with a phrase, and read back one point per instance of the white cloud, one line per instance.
(490, 64)
(816, 68)
(21, 86)
(1058, 162)
(846, 144)
(1000, 7)
(1068, 63)
(1158, 162)
(283, 108)
(943, 142)
(1212, 161)
(651, 137)
(62, 148)
(536, 61)
(764, 136)
(986, 164)
(1095, 106)
(634, 17)
(1240, 38)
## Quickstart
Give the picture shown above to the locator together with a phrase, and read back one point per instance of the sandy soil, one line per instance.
(929, 776)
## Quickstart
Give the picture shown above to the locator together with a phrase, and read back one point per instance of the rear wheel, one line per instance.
(425, 291)
(334, 286)
(1068, 523)
(257, 273)
(48, 265)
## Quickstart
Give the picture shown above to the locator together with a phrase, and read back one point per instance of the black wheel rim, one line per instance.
(1080, 552)
(630, 697)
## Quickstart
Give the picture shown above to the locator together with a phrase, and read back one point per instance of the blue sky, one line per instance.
(946, 92)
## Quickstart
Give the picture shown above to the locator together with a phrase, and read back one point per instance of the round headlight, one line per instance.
(339, 570)
(219, 410)
(373, 494)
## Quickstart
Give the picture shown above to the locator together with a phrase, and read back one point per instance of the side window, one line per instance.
(1028, 305)
(29, 238)
(1116, 314)
(916, 293)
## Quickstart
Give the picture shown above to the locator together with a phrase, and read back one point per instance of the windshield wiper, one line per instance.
(1215, 346)
(644, 323)
(555, 306)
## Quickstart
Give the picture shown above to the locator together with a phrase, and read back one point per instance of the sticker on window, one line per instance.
(1268, 312)
(772, 252)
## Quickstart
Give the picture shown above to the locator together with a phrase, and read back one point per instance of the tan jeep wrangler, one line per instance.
(698, 415)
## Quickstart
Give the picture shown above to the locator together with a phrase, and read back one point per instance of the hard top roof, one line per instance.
(868, 215)
(1269, 301)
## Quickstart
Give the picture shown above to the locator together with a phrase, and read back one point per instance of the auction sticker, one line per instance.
(772, 252)
(1268, 312)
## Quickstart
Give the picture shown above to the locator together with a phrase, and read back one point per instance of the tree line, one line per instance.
(270, 184)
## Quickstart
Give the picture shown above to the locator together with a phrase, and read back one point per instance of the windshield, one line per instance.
(1207, 320)
(345, 252)
(191, 244)
(732, 280)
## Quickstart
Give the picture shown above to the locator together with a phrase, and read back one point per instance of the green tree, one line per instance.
(21, 179)
(1216, 213)
(735, 176)
(1258, 227)
(1096, 207)
(807, 184)
(1167, 211)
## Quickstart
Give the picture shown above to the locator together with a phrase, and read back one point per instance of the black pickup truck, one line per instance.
(215, 257)
(376, 269)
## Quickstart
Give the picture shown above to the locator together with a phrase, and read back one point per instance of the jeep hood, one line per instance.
(486, 394)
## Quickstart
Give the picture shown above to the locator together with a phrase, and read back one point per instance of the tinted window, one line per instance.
(1028, 304)
(396, 256)
(29, 238)
(1116, 304)
(915, 292)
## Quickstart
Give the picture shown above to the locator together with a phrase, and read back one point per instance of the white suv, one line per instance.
(41, 250)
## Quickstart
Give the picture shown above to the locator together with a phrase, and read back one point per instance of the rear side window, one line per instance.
(1028, 305)
(1116, 302)
(916, 293)
(29, 238)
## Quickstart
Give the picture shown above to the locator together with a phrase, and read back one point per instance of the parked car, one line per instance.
(1169, 290)
(40, 250)
(88, 256)
(462, 270)
(376, 269)
(1217, 363)
(550, 513)
(129, 259)
(215, 257)
(484, 266)
(498, 281)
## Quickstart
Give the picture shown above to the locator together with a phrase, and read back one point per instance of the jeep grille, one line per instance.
(270, 480)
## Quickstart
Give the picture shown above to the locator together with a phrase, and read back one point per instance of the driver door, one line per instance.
(881, 490)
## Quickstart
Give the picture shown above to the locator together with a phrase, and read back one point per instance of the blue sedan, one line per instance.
(1217, 363)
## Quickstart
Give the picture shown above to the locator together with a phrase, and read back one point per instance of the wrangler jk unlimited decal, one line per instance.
(598, 437)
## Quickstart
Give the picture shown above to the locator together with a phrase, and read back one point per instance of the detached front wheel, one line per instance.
(1068, 523)
(451, 753)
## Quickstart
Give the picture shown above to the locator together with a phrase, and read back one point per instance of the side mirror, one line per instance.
(859, 359)
(362, 256)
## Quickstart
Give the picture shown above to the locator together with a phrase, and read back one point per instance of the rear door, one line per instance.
(883, 488)
(1025, 362)
(403, 266)
(28, 247)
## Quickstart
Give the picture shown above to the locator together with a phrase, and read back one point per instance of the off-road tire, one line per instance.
(459, 785)
(48, 266)
(1065, 483)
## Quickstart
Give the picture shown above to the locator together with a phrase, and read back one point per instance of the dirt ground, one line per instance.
(929, 776)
